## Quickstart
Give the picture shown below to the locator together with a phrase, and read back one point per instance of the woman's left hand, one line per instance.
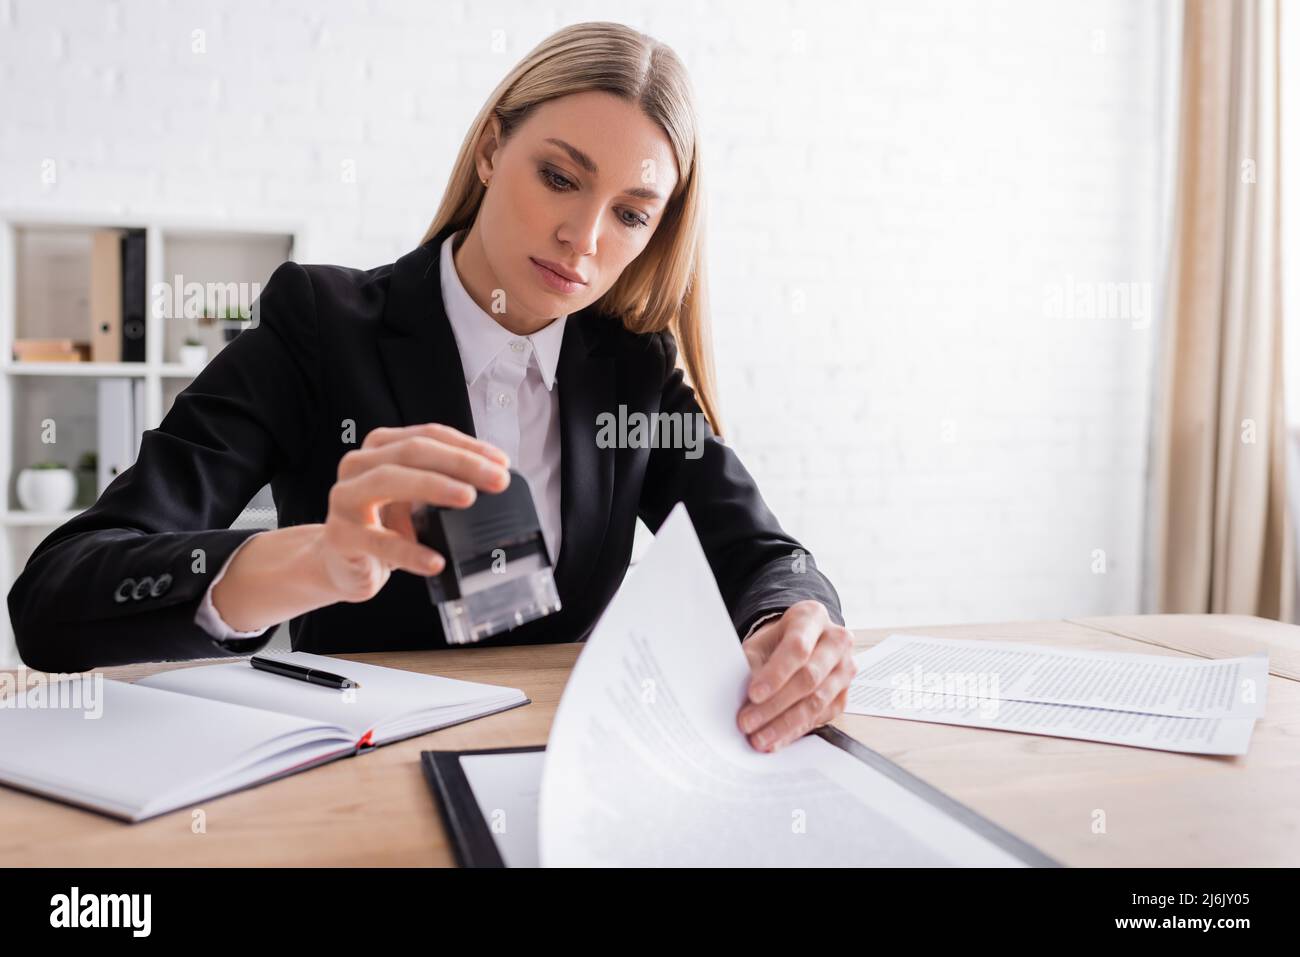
(801, 665)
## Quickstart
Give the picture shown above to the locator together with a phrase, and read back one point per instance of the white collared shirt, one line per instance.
(511, 384)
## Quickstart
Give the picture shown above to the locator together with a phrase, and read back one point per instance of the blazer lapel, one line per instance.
(586, 383)
(423, 366)
(418, 348)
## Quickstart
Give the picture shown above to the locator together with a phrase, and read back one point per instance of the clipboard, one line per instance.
(474, 845)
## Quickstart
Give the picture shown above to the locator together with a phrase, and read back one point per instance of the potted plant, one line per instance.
(87, 478)
(47, 487)
(194, 354)
(235, 320)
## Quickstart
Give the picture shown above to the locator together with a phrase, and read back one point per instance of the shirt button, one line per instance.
(517, 345)
(503, 399)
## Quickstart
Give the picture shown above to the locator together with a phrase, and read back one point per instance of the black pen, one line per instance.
(314, 675)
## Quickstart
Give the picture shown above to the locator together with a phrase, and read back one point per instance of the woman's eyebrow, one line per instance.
(588, 164)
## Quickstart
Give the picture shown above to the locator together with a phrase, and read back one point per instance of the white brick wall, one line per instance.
(895, 185)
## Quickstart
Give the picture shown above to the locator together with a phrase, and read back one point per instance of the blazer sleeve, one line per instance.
(122, 581)
(758, 567)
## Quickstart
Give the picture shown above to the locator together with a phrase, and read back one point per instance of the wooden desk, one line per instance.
(375, 809)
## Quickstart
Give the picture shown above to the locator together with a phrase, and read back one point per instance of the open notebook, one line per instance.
(182, 736)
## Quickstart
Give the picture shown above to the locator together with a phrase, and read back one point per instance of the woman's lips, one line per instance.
(554, 280)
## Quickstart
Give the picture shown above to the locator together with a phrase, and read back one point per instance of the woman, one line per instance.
(554, 286)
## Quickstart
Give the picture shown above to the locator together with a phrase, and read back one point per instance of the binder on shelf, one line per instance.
(106, 296)
(138, 421)
(116, 430)
(133, 295)
(117, 295)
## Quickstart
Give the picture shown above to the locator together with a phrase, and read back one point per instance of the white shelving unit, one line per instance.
(213, 250)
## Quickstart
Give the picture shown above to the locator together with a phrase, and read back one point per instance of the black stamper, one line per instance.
(498, 574)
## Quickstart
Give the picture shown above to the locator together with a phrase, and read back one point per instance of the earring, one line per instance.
(484, 182)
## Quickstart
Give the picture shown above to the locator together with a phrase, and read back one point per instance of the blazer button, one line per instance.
(142, 588)
(160, 585)
(119, 596)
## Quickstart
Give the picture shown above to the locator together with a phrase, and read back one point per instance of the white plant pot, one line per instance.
(194, 357)
(46, 490)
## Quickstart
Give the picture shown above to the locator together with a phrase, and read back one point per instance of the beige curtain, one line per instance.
(1219, 528)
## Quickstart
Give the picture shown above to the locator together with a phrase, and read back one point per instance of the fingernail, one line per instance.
(749, 722)
(763, 739)
(759, 692)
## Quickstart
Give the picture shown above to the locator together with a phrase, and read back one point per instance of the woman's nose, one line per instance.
(581, 234)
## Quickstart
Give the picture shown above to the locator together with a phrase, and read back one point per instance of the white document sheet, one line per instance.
(1181, 687)
(1162, 732)
(1191, 705)
(506, 788)
(645, 764)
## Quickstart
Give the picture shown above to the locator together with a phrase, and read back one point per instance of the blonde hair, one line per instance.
(664, 287)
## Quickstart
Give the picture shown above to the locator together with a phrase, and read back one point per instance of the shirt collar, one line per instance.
(479, 337)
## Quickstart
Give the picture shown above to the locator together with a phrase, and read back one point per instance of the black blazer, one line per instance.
(121, 582)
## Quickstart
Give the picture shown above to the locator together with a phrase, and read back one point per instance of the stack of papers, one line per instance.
(1196, 705)
(645, 765)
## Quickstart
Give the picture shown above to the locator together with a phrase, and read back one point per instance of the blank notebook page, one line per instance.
(389, 700)
(149, 746)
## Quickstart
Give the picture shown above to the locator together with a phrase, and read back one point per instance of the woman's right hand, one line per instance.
(368, 530)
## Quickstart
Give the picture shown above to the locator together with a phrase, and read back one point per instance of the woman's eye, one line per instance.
(551, 179)
(636, 222)
(561, 184)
